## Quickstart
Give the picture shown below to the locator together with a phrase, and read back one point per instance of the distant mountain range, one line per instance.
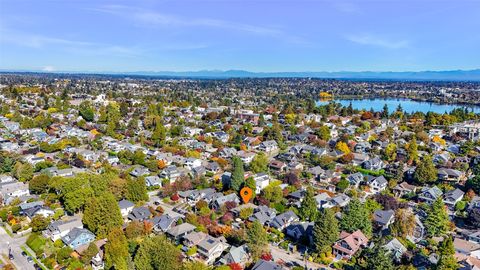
(456, 75)
(450, 75)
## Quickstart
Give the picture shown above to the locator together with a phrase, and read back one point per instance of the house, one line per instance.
(300, 230)
(41, 210)
(228, 152)
(283, 220)
(474, 237)
(429, 195)
(355, 179)
(403, 189)
(396, 249)
(349, 244)
(211, 248)
(359, 158)
(238, 255)
(296, 197)
(268, 146)
(418, 231)
(341, 200)
(263, 214)
(6, 179)
(213, 167)
(192, 163)
(163, 223)
(378, 184)
(58, 229)
(316, 172)
(193, 238)
(179, 231)
(78, 237)
(198, 172)
(139, 171)
(140, 214)
(126, 207)
(277, 166)
(171, 173)
(383, 218)
(97, 262)
(373, 164)
(12, 190)
(153, 181)
(220, 201)
(441, 158)
(450, 175)
(268, 265)
(450, 198)
(246, 157)
(262, 180)
(465, 247)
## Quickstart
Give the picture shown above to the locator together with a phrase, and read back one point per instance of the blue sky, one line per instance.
(261, 35)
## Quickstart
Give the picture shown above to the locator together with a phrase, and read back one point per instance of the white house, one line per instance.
(126, 207)
(262, 180)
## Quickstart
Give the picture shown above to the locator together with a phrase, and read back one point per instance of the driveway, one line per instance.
(6, 241)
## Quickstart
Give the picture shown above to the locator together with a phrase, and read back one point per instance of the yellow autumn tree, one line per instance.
(343, 147)
(439, 140)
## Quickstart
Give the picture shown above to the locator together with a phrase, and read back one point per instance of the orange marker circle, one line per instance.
(246, 194)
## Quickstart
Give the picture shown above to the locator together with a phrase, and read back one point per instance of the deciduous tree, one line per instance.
(116, 250)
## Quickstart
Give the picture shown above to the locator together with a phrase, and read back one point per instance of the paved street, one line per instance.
(281, 254)
(19, 261)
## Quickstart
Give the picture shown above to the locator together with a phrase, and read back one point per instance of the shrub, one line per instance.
(16, 227)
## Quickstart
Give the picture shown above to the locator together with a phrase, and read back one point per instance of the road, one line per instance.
(19, 261)
(281, 254)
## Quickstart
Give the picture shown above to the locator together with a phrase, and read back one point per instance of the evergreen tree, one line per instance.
(325, 231)
(412, 150)
(474, 183)
(385, 113)
(447, 260)
(308, 208)
(238, 175)
(437, 219)
(116, 250)
(356, 217)
(378, 259)
(426, 171)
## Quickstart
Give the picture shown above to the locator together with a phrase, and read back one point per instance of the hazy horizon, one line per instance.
(257, 36)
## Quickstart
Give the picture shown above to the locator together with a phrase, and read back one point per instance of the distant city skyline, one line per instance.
(258, 36)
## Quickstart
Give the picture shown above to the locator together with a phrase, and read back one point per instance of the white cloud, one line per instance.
(154, 18)
(48, 69)
(372, 40)
(40, 41)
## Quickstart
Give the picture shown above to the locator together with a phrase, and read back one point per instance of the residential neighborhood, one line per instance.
(118, 173)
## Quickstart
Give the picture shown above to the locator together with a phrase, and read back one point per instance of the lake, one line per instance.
(408, 105)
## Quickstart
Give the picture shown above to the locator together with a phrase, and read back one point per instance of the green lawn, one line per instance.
(36, 243)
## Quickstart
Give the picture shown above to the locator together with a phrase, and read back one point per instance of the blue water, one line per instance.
(409, 106)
